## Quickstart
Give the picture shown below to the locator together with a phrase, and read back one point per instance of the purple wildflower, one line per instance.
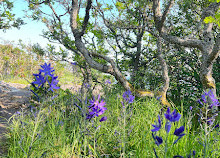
(210, 95)
(158, 140)
(216, 126)
(74, 63)
(96, 108)
(103, 119)
(179, 132)
(167, 126)
(18, 113)
(87, 85)
(128, 97)
(46, 69)
(215, 101)
(107, 82)
(159, 97)
(172, 117)
(40, 80)
(53, 84)
(46, 74)
(158, 126)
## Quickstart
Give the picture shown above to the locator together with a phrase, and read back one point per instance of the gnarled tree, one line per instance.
(66, 25)
(208, 43)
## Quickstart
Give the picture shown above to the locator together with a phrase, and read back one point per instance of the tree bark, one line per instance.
(163, 91)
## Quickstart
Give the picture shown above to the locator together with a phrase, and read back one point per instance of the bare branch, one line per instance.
(73, 16)
(39, 3)
(166, 11)
(86, 18)
(157, 13)
(193, 43)
(215, 51)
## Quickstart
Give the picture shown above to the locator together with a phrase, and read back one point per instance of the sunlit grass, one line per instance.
(17, 80)
(70, 78)
(59, 130)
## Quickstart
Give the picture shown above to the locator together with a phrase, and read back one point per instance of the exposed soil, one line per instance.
(13, 97)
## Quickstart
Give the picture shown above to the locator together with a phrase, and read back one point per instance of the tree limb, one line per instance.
(188, 42)
(215, 51)
(73, 16)
(166, 11)
(86, 18)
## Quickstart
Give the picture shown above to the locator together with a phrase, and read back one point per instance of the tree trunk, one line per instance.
(137, 59)
(87, 82)
(163, 91)
(207, 80)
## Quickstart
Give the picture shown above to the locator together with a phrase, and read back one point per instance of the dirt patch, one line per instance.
(13, 97)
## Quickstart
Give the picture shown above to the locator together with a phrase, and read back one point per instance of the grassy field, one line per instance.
(64, 124)
(58, 128)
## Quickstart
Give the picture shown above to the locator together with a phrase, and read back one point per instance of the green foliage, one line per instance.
(215, 19)
(56, 128)
(8, 19)
(16, 63)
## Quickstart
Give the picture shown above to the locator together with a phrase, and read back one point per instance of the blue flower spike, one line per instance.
(157, 127)
(158, 140)
(167, 126)
(172, 117)
(53, 84)
(205, 96)
(46, 69)
(40, 80)
(103, 119)
(46, 75)
(128, 97)
(108, 82)
(96, 108)
(179, 133)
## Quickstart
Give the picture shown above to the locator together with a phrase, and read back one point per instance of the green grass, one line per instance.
(17, 80)
(57, 129)
(66, 78)
(70, 78)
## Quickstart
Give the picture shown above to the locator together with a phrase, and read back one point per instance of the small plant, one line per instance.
(207, 117)
(170, 118)
(96, 109)
(45, 81)
(125, 128)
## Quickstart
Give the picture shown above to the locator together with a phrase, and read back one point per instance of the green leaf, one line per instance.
(209, 19)
(120, 5)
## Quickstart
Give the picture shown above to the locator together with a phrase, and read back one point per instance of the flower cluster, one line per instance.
(46, 75)
(108, 82)
(96, 108)
(207, 113)
(128, 97)
(170, 117)
(211, 96)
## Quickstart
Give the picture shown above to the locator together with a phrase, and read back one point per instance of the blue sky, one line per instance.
(28, 33)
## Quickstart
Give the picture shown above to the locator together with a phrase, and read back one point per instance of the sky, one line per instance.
(29, 33)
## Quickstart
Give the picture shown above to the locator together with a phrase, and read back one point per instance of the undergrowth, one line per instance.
(63, 124)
